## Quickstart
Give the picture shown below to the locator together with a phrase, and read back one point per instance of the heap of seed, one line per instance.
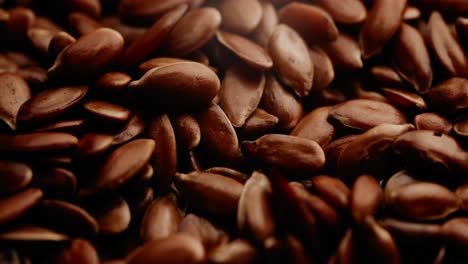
(233, 131)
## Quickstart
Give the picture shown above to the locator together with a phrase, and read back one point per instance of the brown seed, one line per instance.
(112, 83)
(213, 193)
(158, 62)
(411, 13)
(38, 142)
(454, 232)
(204, 231)
(291, 60)
(14, 93)
(82, 24)
(40, 39)
(7, 65)
(16, 205)
(124, 163)
(346, 12)
(412, 58)
(14, 176)
(412, 232)
(240, 93)
(130, 33)
(379, 243)
(334, 149)
(462, 30)
(361, 93)
(33, 234)
(93, 144)
(294, 154)
(366, 198)
(56, 183)
(142, 47)
(89, 55)
(315, 126)
(230, 173)
(267, 24)
(259, 122)
(279, 102)
(139, 200)
(187, 131)
(449, 96)
(113, 216)
(164, 159)
(344, 53)
(446, 47)
(461, 128)
(106, 111)
(324, 73)
(311, 22)
(80, 251)
(240, 16)
(90, 7)
(50, 104)
(58, 43)
(332, 189)
(404, 99)
(21, 59)
(176, 249)
(382, 22)
(432, 121)
(423, 201)
(251, 53)
(193, 31)
(398, 180)
(47, 23)
(237, 251)
(386, 76)
(19, 20)
(161, 220)
(188, 84)
(144, 11)
(364, 114)
(35, 76)
(133, 128)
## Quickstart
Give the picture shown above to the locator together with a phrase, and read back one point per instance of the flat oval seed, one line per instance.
(49, 104)
(14, 92)
(267, 24)
(398, 180)
(202, 229)
(455, 232)
(106, 111)
(33, 234)
(82, 24)
(14, 176)
(311, 22)
(193, 31)
(364, 114)
(189, 85)
(324, 73)
(112, 83)
(38, 142)
(14, 206)
(346, 12)
(404, 99)
(411, 232)
(124, 163)
(240, 16)
(158, 62)
(386, 76)
(251, 53)
(334, 150)
(315, 126)
(187, 131)
(230, 173)
(291, 60)
(93, 144)
(449, 96)
(58, 43)
(366, 198)
(240, 93)
(133, 128)
(144, 11)
(461, 128)
(80, 251)
(237, 251)
(89, 55)
(113, 216)
(56, 183)
(67, 126)
(344, 53)
(161, 220)
(259, 122)
(332, 189)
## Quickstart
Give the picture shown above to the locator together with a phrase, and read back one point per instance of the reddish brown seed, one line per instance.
(113, 216)
(176, 249)
(203, 230)
(364, 114)
(82, 24)
(139, 200)
(332, 189)
(164, 160)
(124, 163)
(80, 251)
(90, 7)
(40, 39)
(193, 31)
(412, 232)
(144, 11)
(324, 73)
(379, 243)
(455, 232)
(7, 65)
(46, 23)
(315, 126)
(291, 59)
(240, 93)
(38, 142)
(33, 234)
(344, 53)
(230, 173)
(404, 99)
(161, 220)
(130, 33)
(366, 198)
(432, 121)
(14, 206)
(19, 20)
(141, 48)
(382, 22)
(267, 24)
(279, 102)
(461, 128)
(89, 55)
(56, 183)
(158, 62)
(14, 176)
(258, 123)
(106, 111)
(188, 85)
(58, 43)
(14, 93)
(449, 96)
(237, 251)
(411, 13)
(93, 144)
(398, 180)
(311, 22)
(187, 131)
(386, 76)
(35, 76)
(251, 53)
(49, 104)
(346, 12)
(213, 193)
(133, 128)
(112, 83)
(412, 58)
(240, 16)
(334, 149)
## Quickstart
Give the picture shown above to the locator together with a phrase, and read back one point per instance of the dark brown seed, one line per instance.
(404, 99)
(462, 30)
(19, 20)
(80, 251)
(449, 96)
(386, 76)
(279, 102)
(259, 122)
(398, 180)
(364, 114)
(40, 39)
(333, 190)
(106, 111)
(33, 234)
(133, 128)
(38, 142)
(193, 31)
(176, 249)
(251, 53)
(93, 144)
(14, 176)
(189, 85)
(82, 24)
(35, 76)
(58, 43)
(161, 220)
(187, 131)
(423, 201)
(344, 53)
(315, 126)
(113, 216)
(382, 22)
(334, 149)
(230, 173)
(56, 183)
(142, 47)
(267, 24)
(455, 232)
(47, 23)
(237, 251)
(293, 154)
(291, 60)
(90, 7)
(346, 12)
(379, 242)
(129, 32)
(240, 93)
(204, 231)
(240, 16)
(112, 83)
(461, 128)
(164, 159)
(311, 22)
(50, 104)
(323, 68)
(366, 198)
(432, 121)
(139, 201)
(144, 11)
(14, 93)
(412, 232)
(7, 65)
(124, 163)
(412, 58)
(158, 62)
(213, 193)
(16, 205)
